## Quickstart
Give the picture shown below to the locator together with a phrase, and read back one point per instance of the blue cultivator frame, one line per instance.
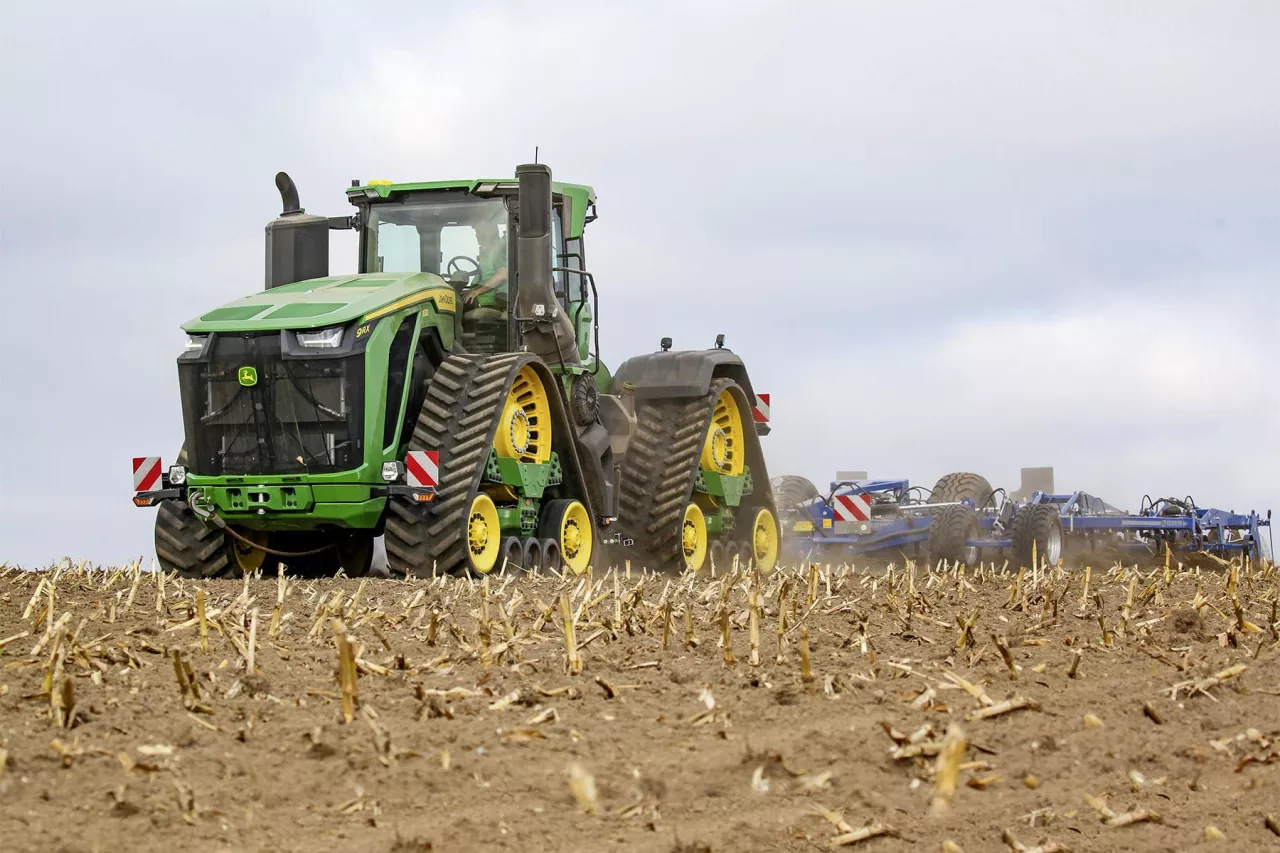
(897, 520)
(890, 517)
(1176, 523)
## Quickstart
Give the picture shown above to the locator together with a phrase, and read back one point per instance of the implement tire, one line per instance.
(961, 485)
(1041, 525)
(188, 546)
(948, 532)
(790, 491)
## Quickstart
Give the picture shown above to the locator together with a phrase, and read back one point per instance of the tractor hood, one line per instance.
(331, 301)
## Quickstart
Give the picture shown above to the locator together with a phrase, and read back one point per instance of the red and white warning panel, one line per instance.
(855, 507)
(760, 411)
(146, 473)
(422, 468)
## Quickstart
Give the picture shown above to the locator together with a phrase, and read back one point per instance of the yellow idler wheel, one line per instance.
(484, 534)
(693, 537)
(764, 540)
(724, 450)
(567, 523)
(248, 558)
(524, 430)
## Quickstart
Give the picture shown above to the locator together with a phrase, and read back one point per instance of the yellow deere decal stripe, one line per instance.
(444, 298)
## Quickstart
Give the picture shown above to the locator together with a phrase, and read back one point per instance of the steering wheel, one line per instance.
(453, 262)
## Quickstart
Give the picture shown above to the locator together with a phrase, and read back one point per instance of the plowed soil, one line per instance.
(125, 725)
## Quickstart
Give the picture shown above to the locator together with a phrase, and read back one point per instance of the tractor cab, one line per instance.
(464, 232)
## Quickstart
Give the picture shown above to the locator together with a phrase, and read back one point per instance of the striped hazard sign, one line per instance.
(853, 507)
(760, 411)
(146, 473)
(422, 468)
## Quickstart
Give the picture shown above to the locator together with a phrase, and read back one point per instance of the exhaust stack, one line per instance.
(548, 331)
(297, 241)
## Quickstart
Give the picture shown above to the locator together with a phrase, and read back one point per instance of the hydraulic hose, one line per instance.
(206, 513)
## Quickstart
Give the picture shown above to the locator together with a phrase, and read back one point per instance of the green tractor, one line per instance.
(450, 399)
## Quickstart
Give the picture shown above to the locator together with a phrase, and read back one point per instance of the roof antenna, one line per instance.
(535, 154)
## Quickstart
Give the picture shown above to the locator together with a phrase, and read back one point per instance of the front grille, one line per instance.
(303, 415)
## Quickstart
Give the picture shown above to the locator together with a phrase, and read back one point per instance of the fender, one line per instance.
(688, 373)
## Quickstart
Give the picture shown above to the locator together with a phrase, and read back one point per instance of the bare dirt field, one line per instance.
(881, 710)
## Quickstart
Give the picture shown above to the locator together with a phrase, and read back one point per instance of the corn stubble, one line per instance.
(951, 675)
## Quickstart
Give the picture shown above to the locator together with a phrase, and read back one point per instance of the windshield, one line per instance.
(455, 235)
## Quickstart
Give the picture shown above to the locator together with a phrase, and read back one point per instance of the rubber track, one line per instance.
(460, 418)
(457, 418)
(661, 465)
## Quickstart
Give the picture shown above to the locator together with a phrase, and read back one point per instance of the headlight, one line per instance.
(177, 475)
(391, 471)
(195, 343)
(330, 338)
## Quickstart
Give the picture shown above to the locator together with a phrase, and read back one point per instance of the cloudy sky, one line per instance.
(945, 236)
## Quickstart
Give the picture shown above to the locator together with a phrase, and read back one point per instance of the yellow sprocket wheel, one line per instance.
(524, 430)
(483, 533)
(693, 537)
(724, 450)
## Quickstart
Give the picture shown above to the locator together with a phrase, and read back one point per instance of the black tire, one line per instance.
(715, 555)
(512, 552)
(1040, 524)
(551, 555)
(790, 491)
(186, 545)
(961, 485)
(950, 528)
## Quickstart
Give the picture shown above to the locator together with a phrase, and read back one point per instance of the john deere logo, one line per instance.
(248, 376)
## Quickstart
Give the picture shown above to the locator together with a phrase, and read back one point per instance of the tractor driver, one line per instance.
(492, 260)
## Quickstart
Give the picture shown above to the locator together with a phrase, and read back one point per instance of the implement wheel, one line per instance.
(961, 485)
(1039, 525)
(948, 532)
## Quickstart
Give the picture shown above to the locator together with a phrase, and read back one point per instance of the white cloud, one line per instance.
(1118, 398)
(896, 213)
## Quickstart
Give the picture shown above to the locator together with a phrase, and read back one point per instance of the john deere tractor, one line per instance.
(450, 398)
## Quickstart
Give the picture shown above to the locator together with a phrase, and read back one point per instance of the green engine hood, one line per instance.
(324, 302)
